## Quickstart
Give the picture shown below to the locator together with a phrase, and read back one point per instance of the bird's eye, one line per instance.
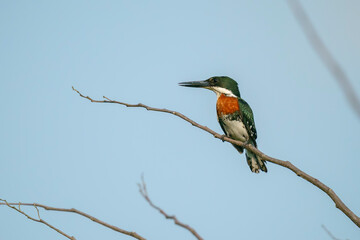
(213, 80)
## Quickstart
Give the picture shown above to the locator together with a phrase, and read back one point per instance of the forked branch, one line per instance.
(72, 210)
(338, 203)
(4, 202)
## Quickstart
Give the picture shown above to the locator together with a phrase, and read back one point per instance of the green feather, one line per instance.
(248, 119)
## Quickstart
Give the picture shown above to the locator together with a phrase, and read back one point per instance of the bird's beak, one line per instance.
(197, 84)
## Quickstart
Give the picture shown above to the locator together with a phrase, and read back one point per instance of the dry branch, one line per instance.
(338, 203)
(72, 210)
(144, 193)
(325, 55)
(34, 219)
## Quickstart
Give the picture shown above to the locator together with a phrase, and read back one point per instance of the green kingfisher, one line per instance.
(234, 115)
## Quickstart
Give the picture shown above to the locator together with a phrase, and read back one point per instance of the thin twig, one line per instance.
(34, 219)
(72, 210)
(338, 203)
(329, 233)
(325, 55)
(144, 193)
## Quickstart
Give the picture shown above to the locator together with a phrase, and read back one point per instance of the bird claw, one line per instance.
(223, 138)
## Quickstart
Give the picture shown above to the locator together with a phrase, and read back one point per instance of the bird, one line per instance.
(234, 115)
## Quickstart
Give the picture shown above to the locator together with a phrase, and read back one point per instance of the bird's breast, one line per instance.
(226, 105)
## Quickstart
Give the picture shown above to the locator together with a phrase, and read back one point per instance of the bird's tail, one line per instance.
(255, 162)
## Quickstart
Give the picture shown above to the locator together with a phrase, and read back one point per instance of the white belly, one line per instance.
(236, 130)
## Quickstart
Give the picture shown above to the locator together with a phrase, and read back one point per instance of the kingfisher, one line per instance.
(234, 115)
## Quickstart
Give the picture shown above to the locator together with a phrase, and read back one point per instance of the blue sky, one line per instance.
(61, 150)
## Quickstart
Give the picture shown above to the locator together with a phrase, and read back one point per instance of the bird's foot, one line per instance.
(246, 142)
(223, 138)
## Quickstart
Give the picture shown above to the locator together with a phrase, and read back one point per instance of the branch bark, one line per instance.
(144, 193)
(325, 55)
(72, 210)
(338, 202)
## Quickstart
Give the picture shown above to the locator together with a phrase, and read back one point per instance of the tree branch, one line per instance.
(72, 210)
(338, 203)
(329, 233)
(325, 55)
(34, 219)
(144, 193)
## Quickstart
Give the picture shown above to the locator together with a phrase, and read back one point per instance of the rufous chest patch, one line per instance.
(226, 105)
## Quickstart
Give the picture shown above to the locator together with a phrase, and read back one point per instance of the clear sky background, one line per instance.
(61, 150)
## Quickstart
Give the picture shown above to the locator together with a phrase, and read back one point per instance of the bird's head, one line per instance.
(219, 85)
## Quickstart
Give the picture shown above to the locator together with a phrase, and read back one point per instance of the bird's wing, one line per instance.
(248, 119)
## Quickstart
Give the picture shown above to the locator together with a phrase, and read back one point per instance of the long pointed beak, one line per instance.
(197, 84)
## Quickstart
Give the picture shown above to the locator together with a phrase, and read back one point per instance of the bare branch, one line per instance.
(72, 210)
(34, 219)
(329, 233)
(325, 54)
(144, 193)
(338, 203)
